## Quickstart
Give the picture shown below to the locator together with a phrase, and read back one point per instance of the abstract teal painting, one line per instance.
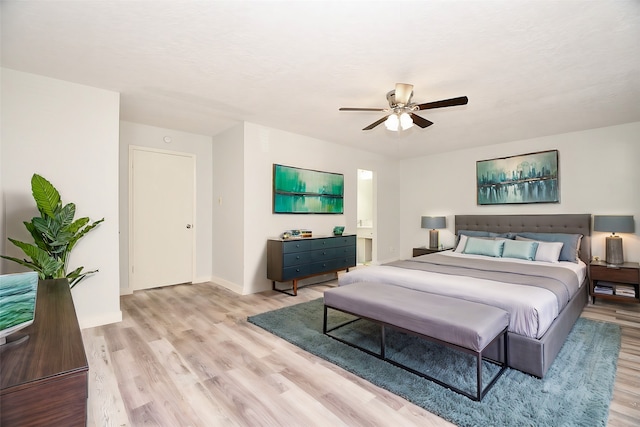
(526, 178)
(306, 191)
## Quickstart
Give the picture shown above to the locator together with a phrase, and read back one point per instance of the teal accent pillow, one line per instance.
(486, 234)
(486, 247)
(570, 247)
(520, 249)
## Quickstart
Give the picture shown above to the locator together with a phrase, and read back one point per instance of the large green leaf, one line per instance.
(62, 238)
(77, 224)
(45, 194)
(37, 236)
(26, 263)
(82, 232)
(47, 227)
(76, 276)
(65, 217)
(47, 265)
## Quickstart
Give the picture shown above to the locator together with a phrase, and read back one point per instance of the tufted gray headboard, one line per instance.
(563, 223)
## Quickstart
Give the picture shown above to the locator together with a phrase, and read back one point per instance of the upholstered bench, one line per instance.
(467, 326)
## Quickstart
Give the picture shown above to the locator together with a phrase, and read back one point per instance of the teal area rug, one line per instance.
(576, 391)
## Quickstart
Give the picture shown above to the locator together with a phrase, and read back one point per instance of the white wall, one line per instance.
(67, 133)
(247, 156)
(228, 209)
(598, 170)
(183, 142)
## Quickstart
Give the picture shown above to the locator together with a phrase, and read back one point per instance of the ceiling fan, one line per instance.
(402, 110)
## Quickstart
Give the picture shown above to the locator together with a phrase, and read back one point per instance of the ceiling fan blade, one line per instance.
(420, 121)
(403, 93)
(360, 109)
(462, 100)
(376, 123)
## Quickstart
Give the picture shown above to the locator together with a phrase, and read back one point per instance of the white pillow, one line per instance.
(547, 251)
(461, 244)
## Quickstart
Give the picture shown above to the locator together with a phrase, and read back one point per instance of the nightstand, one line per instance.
(424, 251)
(620, 283)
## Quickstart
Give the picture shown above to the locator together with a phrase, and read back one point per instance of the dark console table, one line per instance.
(44, 379)
(298, 258)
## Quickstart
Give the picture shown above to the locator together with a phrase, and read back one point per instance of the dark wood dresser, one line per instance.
(44, 380)
(294, 259)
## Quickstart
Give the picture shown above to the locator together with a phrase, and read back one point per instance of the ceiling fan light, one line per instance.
(405, 121)
(392, 123)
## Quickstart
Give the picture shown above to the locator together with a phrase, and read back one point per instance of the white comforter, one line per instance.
(531, 309)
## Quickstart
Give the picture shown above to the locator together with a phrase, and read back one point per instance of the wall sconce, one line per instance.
(433, 222)
(614, 224)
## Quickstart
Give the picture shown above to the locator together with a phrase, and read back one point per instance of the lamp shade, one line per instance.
(433, 222)
(614, 223)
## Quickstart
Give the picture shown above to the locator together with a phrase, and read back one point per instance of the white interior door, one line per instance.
(162, 197)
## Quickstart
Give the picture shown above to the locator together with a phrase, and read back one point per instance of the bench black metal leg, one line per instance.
(479, 356)
(482, 393)
(324, 322)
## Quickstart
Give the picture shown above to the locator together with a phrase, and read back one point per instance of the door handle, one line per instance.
(188, 225)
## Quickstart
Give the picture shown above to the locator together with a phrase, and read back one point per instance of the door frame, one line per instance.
(374, 211)
(130, 245)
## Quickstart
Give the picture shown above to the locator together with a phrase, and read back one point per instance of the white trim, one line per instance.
(227, 284)
(103, 319)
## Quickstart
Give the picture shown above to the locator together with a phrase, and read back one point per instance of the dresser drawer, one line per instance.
(297, 271)
(345, 250)
(323, 267)
(345, 241)
(323, 254)
(346, 262)
(323, 243)
(296, 246)
(622, 275)
(295, 258)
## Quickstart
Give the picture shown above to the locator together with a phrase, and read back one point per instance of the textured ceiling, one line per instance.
(529, 68)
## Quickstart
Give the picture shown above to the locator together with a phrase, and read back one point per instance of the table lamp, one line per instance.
(614, 224)
(433, 222)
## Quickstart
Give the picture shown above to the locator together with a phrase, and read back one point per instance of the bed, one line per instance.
(544, 299)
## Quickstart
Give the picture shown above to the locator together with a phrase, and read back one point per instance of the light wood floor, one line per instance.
(185, 356)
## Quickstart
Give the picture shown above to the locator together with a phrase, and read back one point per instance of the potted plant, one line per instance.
(55, 234)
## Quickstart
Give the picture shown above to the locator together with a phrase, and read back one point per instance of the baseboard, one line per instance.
(202, 279)
(104, 319)
(227, 284)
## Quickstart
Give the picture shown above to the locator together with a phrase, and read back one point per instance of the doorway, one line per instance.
(366, 216)
(161, 204)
